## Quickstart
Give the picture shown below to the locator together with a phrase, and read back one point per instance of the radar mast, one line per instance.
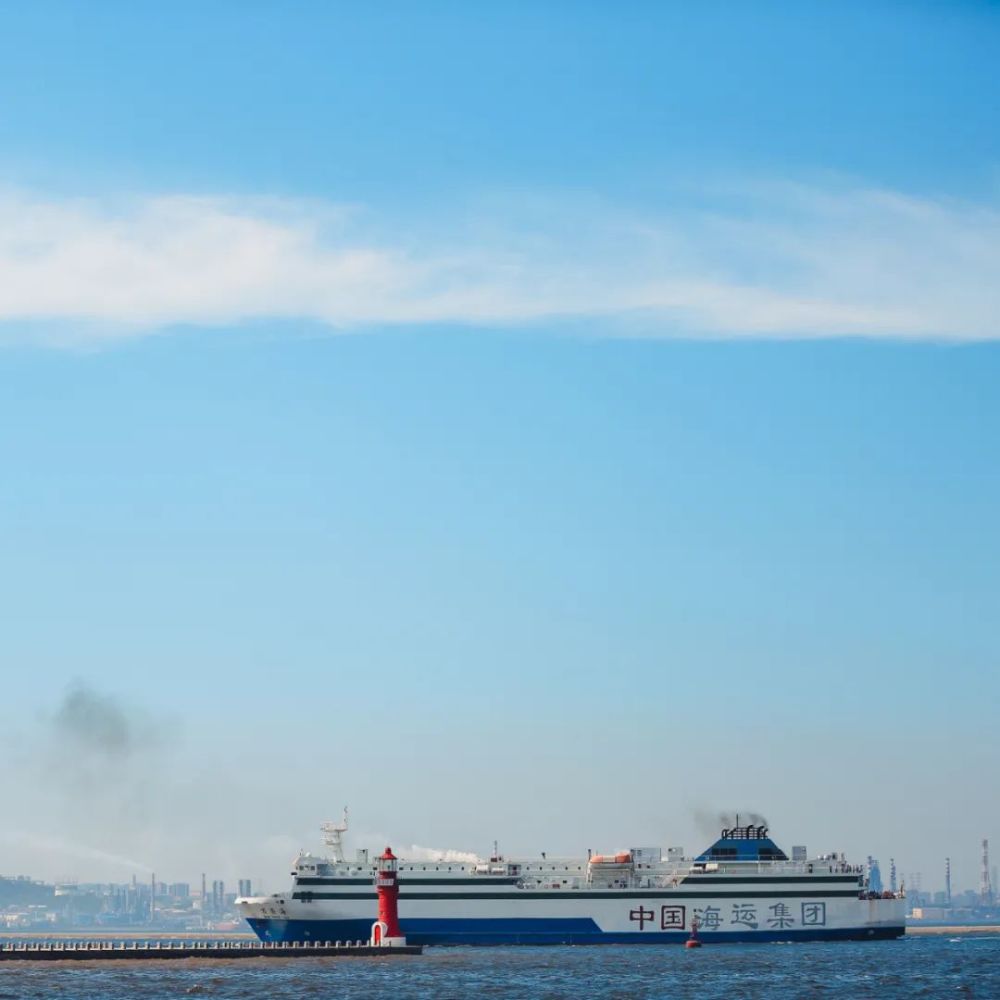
(333, 837)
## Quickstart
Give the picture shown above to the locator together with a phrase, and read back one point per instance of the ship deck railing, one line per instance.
(675, 874)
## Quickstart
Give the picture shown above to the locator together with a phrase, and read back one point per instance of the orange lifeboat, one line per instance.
(623, 858)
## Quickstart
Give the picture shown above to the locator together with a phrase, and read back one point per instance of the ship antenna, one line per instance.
(333, 837)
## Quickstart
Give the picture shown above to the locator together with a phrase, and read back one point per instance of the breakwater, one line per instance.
(98, 950)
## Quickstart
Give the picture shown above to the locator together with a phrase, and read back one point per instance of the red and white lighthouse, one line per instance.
(385, 930)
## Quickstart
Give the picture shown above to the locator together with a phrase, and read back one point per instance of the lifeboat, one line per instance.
(622, 858)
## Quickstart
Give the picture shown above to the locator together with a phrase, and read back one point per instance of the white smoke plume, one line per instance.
(446, 854)
(376, 841)
(62, 848)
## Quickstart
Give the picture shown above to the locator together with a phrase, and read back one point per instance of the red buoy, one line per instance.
(693, 942)
(385, 930)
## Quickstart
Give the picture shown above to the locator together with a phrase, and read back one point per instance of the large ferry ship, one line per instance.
(741, 888)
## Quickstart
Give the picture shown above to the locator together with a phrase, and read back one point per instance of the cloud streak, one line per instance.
(761, 260)
(61, 848)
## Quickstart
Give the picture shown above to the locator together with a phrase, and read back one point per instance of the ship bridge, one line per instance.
(743, 843)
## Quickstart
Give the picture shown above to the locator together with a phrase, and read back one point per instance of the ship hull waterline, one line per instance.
(582, 931)
(614, 919)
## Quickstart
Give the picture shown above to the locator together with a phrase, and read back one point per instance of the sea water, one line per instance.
(938, 966)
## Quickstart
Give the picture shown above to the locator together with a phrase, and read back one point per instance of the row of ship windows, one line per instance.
(763, 853)
(448, 868)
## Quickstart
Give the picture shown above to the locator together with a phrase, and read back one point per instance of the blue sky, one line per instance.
(609, 395)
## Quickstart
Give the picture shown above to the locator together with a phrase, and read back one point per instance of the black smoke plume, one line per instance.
(94, 723)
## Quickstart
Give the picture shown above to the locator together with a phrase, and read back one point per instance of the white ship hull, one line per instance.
(760, 911)
(609, 921)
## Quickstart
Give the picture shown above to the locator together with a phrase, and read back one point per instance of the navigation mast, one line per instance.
(333, 837)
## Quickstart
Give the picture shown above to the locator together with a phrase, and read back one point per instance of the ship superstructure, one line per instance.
(743, 887)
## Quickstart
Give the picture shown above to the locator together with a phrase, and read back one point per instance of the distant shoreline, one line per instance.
(953, 929)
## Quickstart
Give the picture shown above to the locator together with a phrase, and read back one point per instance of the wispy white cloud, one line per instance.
(778, 260)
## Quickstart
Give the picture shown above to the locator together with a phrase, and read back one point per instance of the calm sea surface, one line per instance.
(914, 967)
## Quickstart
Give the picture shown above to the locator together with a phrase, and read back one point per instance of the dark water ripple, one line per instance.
(913, 967)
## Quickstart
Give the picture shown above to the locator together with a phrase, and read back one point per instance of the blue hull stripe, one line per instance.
(539, 931)
(310, 896)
